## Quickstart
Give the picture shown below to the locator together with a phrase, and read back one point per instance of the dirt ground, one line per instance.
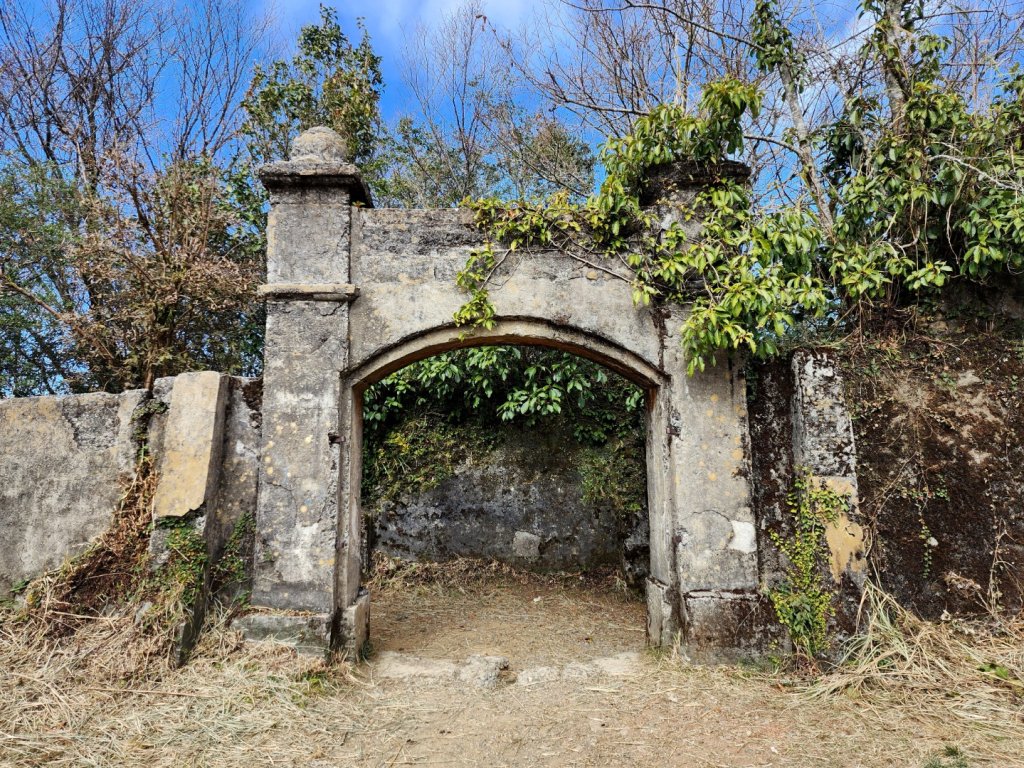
(595, 696)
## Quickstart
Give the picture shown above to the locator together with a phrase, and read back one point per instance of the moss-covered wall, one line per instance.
(534, 496)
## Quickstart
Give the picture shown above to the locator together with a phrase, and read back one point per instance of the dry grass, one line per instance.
(464, 607)
(61, 600)
(88, 700)
(83, 699)
(968, 674)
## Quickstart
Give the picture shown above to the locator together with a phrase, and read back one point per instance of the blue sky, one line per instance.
(388, 22)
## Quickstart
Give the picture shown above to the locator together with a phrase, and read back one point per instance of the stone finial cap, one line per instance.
(319, 158)
(319, 145)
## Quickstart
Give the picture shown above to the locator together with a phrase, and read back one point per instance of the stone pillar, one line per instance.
(823, 447)
(308, 292)
(713, 595)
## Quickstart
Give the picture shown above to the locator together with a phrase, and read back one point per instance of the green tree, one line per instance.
(910, 189)
(330, 82)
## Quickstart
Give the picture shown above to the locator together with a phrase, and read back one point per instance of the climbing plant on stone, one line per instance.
(909, 190)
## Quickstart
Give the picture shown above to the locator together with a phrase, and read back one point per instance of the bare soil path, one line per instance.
(580, 689)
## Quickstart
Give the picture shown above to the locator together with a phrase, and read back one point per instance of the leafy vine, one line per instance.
(906, 191)
(802, 601)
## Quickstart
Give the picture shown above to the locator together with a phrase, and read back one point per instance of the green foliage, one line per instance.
(772, 41)
(423, 420)
(328, 82)
(180, 580)
(802, 601)
(528, 157)
(492, 384)
(35, 204)
(230, 569)
(417, 454)
(611, 474)
(920, 189)
(611, 223)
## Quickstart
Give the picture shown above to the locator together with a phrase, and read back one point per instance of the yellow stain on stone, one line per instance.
(303, 509)
(714, 398)
(309, 439)
(270, 470)
(711, 412)
(846, 539)
(846, 544)
(737, 454)
(712, 477)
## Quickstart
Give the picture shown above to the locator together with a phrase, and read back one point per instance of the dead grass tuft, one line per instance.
(389, 574)
(970, 670)
(98, 697)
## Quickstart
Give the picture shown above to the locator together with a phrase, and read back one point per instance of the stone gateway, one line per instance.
(354, 293)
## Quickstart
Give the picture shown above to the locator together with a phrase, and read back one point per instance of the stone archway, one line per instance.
(354, 293)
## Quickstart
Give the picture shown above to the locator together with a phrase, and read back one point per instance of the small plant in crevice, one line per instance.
(229, 572)
(803, 602)
(929, 544)
(178, 583)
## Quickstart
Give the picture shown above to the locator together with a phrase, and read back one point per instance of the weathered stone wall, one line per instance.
(939, 423)
(65, 462)
(799, 423)
(521, 502)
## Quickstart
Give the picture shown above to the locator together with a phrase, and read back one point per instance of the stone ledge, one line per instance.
(308, 633)
(302, 173)
(342, 292)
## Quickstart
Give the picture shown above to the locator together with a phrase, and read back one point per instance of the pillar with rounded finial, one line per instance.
(308, 292)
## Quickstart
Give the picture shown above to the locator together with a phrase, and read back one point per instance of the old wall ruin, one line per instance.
(354, 293)
(66, 461)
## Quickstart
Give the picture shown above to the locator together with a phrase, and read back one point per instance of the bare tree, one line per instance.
(122, 246)
(475, 132)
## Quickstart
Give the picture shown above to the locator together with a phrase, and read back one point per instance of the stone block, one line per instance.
(308, 633)
(716, 552)
(526, 545)
(662, 614)
(726, 627)
(357, 626)
(193, 442)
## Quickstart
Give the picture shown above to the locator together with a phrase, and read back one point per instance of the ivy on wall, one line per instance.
(905, 192)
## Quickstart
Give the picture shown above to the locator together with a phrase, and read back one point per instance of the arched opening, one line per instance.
(592, 521)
